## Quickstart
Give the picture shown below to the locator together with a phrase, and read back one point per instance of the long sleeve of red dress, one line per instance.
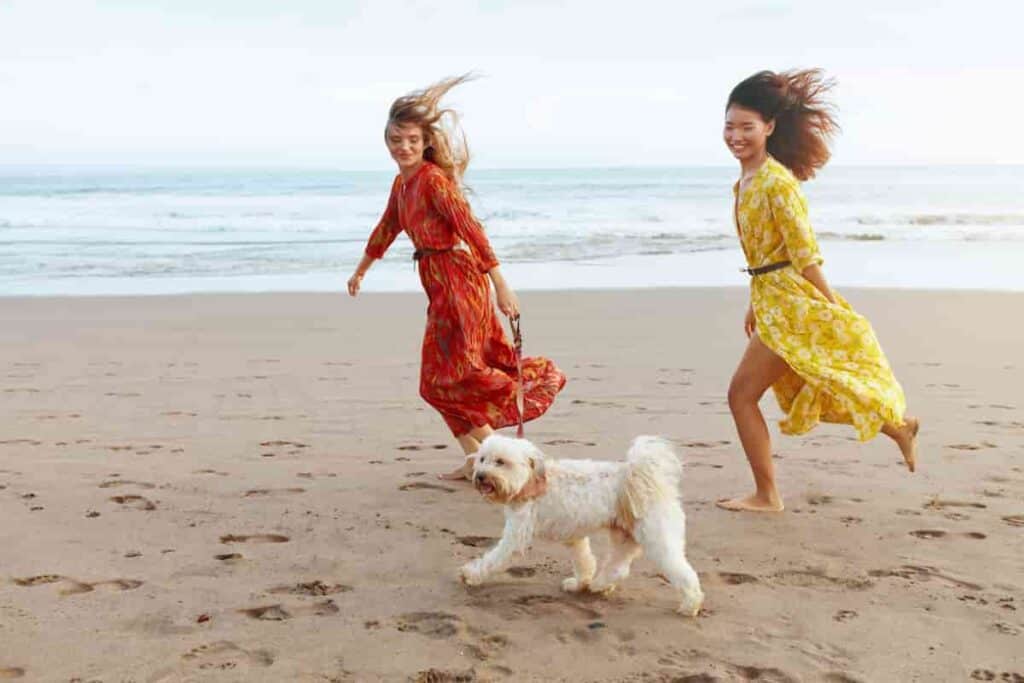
(388, 226)
(449, 203)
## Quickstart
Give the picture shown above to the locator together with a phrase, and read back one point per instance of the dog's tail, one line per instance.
(654, 476)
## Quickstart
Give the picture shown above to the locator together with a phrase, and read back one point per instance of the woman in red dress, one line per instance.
(468, 370)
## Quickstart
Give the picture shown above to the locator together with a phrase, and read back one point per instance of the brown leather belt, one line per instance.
(420, 253)
(761, 270)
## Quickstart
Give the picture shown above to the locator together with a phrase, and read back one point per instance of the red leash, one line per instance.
(517, 343)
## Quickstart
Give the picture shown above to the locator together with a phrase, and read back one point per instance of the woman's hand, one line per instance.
(750, 322)
(357, 277)
(508, 302)
(353, 284)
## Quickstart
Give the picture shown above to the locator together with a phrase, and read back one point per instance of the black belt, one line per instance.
(420, 253)
(761, 270)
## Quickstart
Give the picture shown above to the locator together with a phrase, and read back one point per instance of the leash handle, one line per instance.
(517, 344)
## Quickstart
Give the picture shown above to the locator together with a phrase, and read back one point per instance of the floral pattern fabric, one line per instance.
(838, 372)
(468, 368)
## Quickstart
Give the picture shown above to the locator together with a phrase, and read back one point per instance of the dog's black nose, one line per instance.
(478, 479)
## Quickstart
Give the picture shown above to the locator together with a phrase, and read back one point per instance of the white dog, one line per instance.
(636, 501)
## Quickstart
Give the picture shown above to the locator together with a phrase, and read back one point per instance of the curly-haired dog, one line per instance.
(636, 501)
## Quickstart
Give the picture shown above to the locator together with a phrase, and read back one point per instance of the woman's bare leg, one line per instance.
(759, 368)
(470, 443)
(906, 438)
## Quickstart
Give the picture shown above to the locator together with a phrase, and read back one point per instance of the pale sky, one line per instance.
(573, 83)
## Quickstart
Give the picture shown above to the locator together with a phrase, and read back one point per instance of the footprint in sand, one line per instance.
(814, 578)
(548, 605)
(928, 533)
(219, 474)
(912, 572)
(225, 655)
(598, 404)
(956, 516)
(118, 584)
(683, 663)
(10, 672)
(1014, 520)
(445, 676)
(989, 675)
(1005, 629)
(314, 588)
(939, 504)
(294, 444)
(734, 579)
(845, 615)
(74, 587)
(522, 572)
(568, 442)
(702, 444)
(444, 626)
(126, 482)
(477, 541)
(254, 538)
(437, 625)
(228, 557)
(279, 613)
(938, 533)
(70, 586)
(136, 502)
(420, 447)
(270, 492)
(425, 485)
(971, 446)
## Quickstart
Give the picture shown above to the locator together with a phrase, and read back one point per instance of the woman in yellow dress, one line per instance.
(818, 355)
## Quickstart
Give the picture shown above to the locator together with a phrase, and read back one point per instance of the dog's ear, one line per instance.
(537, 484)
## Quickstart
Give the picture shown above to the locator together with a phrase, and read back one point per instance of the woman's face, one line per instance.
(406, 144)
(746, 133)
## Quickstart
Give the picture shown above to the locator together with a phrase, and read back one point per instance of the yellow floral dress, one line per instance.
(838, 372)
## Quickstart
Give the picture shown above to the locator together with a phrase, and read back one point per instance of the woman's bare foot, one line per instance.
(906, 439)
(753, 503)
(464, 472)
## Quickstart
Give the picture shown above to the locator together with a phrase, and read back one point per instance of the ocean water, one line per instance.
(90, 231)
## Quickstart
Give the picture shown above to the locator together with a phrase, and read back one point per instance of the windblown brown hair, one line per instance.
(445, 143)
(804, 119)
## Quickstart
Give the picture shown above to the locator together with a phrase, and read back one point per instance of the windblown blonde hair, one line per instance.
(445, 143)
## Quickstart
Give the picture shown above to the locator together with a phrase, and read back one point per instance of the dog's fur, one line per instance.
(636, 501)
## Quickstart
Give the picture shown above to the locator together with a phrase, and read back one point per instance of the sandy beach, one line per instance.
(241, 488)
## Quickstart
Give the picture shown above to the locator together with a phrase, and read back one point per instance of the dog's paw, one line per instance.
(573, 585)
(691, 607)
(471, 573)
(603, 589)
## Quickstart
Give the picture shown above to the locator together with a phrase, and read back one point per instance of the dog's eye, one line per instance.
(499, 462)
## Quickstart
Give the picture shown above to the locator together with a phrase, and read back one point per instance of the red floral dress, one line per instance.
(468, 370)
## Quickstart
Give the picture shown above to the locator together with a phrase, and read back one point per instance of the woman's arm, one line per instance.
(357, 276)
(816, 276)
(508, 302)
